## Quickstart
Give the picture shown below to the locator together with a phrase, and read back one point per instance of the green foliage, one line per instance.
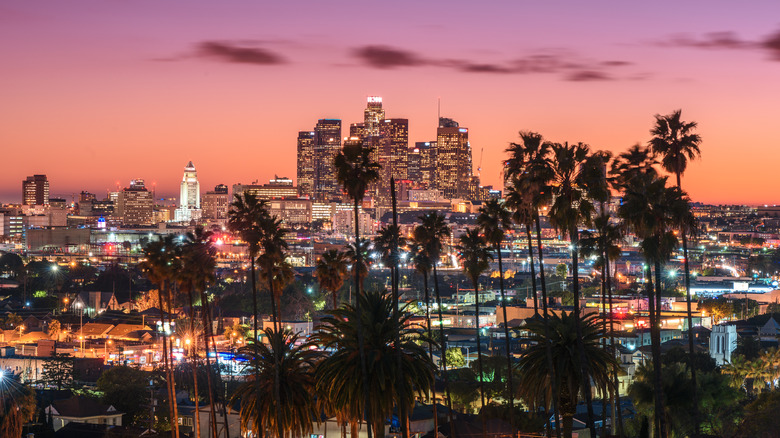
(701, 361)
(57, 370)
(455, 357)
(718, 308)
(127, 389)
(717, 399)
(17, 406)
(761, 419)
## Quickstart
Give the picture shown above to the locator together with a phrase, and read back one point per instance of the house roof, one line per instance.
(95, 329)
(123, 330)
(81, 407)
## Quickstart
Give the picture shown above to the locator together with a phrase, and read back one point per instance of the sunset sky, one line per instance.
(95, 93)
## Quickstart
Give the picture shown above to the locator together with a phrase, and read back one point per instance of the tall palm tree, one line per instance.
(431, 234)
(564, 335)
(197, 271)
(335, 376)
(286, 363)
(529, 168)
(493, 219)
(475, 257)
(245, 217)
(676, 143)
(570, 208)
(331, 270)
(273, 261)
(160, 265)
(652, 210)
(423, 266)
(355, 170)
(518, 201)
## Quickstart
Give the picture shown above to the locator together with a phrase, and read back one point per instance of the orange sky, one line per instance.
(94, 93)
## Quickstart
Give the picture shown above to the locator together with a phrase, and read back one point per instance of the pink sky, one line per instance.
(99, 92)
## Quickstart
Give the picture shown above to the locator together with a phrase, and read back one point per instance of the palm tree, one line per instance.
(652, 210)
(565, 332)
(285, 363)
(475, 258)
(355, 170)
(530, 171)
(430, 234)
(637, 160)
(335, 376)
(245, 217)
(518, 200)
(17, 405)
(331, 271)
(273, 261)
(676, 143)
(160, 265)
(572, 207)
(198, 266)
(357, 254)
(493, 219)
(423, 265)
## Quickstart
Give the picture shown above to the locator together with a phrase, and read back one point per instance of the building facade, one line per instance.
(453, 159)
(35, 190)
(216, 203)
(306, 163)
(135, 205)
(189, 196)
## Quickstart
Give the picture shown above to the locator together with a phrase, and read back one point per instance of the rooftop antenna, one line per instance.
(438, 114)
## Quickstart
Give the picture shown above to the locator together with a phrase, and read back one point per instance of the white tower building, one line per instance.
(189, 196)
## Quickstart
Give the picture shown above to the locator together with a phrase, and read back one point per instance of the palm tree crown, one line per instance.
(675, 141)
(288, 363)
(336, 375)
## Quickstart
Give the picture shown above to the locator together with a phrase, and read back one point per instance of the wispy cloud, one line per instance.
(570, 66)
(237, 52)
(725, 40)
(387, 57)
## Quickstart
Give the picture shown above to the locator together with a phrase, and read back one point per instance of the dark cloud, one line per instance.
(587, 76)
(556, 62)
(387, 57)
(772, 44)
(725, 41)
(237, 52)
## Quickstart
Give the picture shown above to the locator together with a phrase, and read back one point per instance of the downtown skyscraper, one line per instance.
(189, 196)
(35, 190)
(453, 159)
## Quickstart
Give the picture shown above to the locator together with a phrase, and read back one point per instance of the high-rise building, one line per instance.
(189, 196)
(327, 143)
(135, 205)
(393, 155)
(357, 130)
(427, 156)
(216, 203)
(373, 115)
(453, 159)
(35, 190)
(306, 163)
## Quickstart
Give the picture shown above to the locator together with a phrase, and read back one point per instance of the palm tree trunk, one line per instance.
(533, 268)
(694, 393)
(443, 348)
(430, 351)
(277, 328)
(207, 308)
(553, 378)
(586, 390)
(402, 407)
(169, 303)
(616, 404)
(482, 414)
(655, 332)
(510, 382)
(255, 334)
(207, 337)
(166, 365)
(194, 364)
(361, 335)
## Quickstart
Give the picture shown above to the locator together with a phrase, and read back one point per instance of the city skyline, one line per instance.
(118, 92)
